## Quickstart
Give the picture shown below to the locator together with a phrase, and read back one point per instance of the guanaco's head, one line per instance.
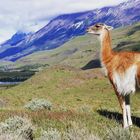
(98, 28)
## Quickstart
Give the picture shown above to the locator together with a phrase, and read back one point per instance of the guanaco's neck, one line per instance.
(106, 50)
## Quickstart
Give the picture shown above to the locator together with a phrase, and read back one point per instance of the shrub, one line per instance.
(11, 137)
(119, 133)
(50, 134)
(74, 132)
(17, 126)
(37, 104)
(79, 132)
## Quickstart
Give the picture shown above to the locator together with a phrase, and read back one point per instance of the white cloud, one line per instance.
(34, 14)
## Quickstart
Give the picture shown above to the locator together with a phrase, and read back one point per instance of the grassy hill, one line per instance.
(84, 97)
(79, 51)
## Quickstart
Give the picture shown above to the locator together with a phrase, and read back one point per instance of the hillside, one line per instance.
(65, 27)
(84, 97)
(83, 51)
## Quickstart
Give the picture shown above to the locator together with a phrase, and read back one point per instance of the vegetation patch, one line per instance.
(119, 133)
(37, 104)
(50, 134)
(16, 127)
(74, 131)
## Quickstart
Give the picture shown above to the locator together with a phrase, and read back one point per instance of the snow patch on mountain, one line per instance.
(78, 24)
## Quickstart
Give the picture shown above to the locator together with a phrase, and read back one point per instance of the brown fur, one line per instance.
(118, 61)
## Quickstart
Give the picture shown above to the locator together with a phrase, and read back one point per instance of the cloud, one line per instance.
(31, 15)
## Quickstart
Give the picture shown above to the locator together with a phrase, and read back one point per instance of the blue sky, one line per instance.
(31, 15)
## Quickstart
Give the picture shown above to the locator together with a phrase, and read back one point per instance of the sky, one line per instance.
(31, 15)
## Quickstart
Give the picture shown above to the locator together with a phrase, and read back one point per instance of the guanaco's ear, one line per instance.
(109, 27)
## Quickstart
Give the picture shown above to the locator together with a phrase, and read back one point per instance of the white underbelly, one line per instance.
(125, 83)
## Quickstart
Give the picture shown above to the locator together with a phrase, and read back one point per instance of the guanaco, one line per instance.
(122, 68)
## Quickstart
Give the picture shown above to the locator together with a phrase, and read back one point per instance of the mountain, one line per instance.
(7, 48)
(64, 27)
(15, 39)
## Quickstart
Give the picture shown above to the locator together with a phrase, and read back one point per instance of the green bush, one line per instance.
(37, 104)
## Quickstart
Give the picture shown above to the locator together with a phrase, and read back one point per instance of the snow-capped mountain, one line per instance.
(64, 27)
(16, 38)
(7, 48)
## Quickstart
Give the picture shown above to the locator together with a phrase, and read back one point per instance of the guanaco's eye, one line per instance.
(97, 26)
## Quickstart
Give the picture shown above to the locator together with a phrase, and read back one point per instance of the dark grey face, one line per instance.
(98, 28)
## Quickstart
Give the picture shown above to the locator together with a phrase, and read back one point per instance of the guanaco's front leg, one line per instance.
(128, 109)
(123, 106)
(125, 111)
